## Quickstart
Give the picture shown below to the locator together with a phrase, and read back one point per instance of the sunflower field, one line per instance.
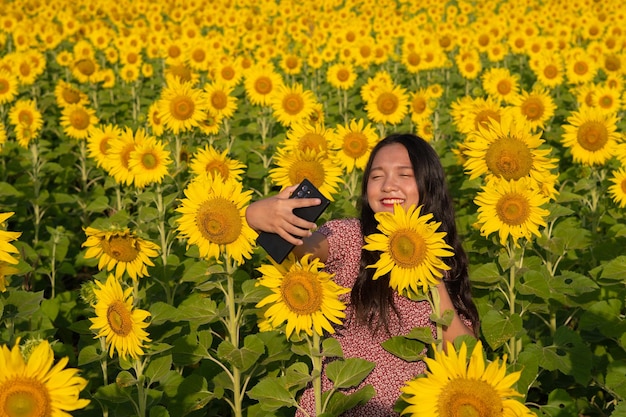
(134, 135)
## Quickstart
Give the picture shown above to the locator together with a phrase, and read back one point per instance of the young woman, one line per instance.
(402, 169)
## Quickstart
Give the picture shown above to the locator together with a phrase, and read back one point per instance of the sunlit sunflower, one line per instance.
(120, 249)
(411, 250)
(67, 94)
(354, 142)
(422, 104)
(303, 296)
(3, 135)
(425, 129)
(469, 113)
(389, 104)
(536, 106)
(36, 385)
(122, 325)
(76, 120)
(549, 69)
(591, 136)
(118, 155)
(500, 84)
(454, 386)
(211, 124)
(580, 67)
(213, 218)
(511, 208)
(154, 120)
(468, 63)
(210, 161)
(305, 136)
(148, 161)
(228, 72)
(341, 75)
(292, 104)
(8, 86)
(607, 99)
(219, 99)
(26, 119)
(382, 79)
(99, 142)
(507, 149)
(260, 83)
(618, 189)
(181, 106)
(6, 248)
(85, 69)
(5, 270)
(294, 166)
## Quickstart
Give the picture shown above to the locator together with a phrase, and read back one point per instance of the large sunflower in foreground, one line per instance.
(591, 136)
(452, 386)
(214, 219)
(122, 325)
(411, 250)
(120, 249)
(36, 386)
(511, 208)
(303, 295)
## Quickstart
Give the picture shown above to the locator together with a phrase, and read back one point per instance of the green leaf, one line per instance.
(98, 205)
(620, 410)
(604, 316)
(331, 348)
(297, 376)
(423, 334)
(198, 309)
(499, 329)
(340, 403)
(244, 357)
(125, 379)
(113, 393)
(276, 346)
(616, 377)
(445, 319)
(89, 354)
(161, 312)
(346, 373)
(407, 349)
(7, 190)
(614, 270)
(486, 275)
(272, 394)
(23, 304)
(560, 404)
(159, 411)
(158, 367)
(192, 395)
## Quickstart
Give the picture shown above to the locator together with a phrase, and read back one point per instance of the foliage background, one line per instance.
(556, 305)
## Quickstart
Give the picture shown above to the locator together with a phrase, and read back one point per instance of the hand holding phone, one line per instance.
(277, 247)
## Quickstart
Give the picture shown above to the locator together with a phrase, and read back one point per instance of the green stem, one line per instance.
(141, 392)
(316, 359)
(233, 334)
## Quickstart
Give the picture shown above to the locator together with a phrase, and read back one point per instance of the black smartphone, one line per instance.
(277, 247)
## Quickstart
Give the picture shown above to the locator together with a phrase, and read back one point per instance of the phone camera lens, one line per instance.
(300, 194)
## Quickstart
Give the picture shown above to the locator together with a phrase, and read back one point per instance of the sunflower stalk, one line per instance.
(142, 395)
(435, 303)
(316, 360)
(233, 324)
(514, 344)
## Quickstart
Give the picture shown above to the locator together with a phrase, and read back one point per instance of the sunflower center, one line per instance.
(413, 59)
(533, 108)
(469, 398)
(550, 71)
(121, 248)
(581, 68)
(149, 161)
(292, 62)
(312, 170)
(293, 104)
(86, 66)
(343, 75)
(24, 397)
(419, 105)
(4, 86)
(612, 63)
(228, 73)
(182, 107)
(302, 292)
(219, 221)
(26, 118)
(513, 209)
(592, 135)
(387, 103)
(71, 96)
(355, 145)
(312, 141)
(504, 87)
(483, 118)
(219, 100)
(263, 85)
(606, 102)
(623, 185)
(24, 69)
(408, 249)
(104, 145)
(119, 318)
(79, 119)
(198, 55)
(509, 158)
(217, 167)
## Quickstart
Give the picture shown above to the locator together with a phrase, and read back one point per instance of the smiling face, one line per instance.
(391, 180)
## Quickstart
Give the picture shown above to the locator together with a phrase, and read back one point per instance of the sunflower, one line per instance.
(421, 105)
(591, 136)
(118, 155)
(120, 249)
(382, 79)
(213, 218)
(305, 137)
(219, 99)
(122, 325)
(8, 86)
(85, 69)
(607, 99)
(549, 69)
(303, 296)
(617, 190)
(5, 270)
(500, 84)
(294, 166)
(507, 150)
(468, 64)
(536, 106)
(6, 248)
(154, 120)
(211, 124)
(148, 161)
(228, 72)
(354, 140)
(389, 104)
(580, 67)
(3, 135)
(469, 113)
(181, 106)
(511, 208)
(76, 120)
(67, 94)
(25, 113)
(36, 386)
(209, 160)
(260, 83)
(452, 386)
(341, 75)
(411, 250)
(292, 104)
(99, 142)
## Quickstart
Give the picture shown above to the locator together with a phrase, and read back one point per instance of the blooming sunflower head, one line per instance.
(122, 325)
(454, 386)
(411, 250)
(303, 296)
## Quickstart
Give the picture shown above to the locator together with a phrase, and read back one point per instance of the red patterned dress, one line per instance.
(344, 253)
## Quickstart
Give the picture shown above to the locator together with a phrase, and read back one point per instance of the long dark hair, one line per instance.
(373, 299)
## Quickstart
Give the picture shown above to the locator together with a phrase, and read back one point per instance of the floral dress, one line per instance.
(390, 373)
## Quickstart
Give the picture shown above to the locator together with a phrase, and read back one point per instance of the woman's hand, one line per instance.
(275, 215)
